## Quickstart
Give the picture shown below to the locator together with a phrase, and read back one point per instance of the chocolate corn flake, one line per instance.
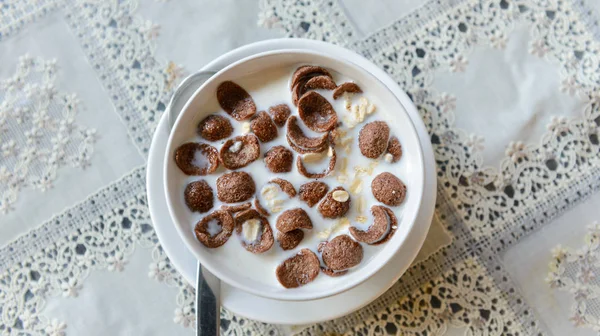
(289, 240)
(342, 253)
(235, 101)
(264, 128)
(332, 208)
(215, 127)
(280, 113)
(279, 159)
(265, 241)
(373, 139)
(388, 189)
(376, 231)
(199, 196)
(316, 112)
(204, 229)
(321, 82)
(346, 87)
(293, 219)
(240, 151)
(312, 192)
(330, 167)
(197, 158)
(235, 187)
(298, 270)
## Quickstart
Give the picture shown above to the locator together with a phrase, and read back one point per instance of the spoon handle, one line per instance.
(208, 311)
(208, 303)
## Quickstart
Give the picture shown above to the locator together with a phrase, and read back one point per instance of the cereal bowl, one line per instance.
(266, 78)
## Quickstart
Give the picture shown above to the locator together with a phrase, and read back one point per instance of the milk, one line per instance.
(270, 88)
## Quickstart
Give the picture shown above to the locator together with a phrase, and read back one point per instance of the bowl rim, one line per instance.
(289, 294)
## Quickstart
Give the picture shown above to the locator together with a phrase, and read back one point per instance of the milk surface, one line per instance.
(270, 88)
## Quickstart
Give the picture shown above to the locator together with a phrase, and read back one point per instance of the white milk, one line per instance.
(269, 89)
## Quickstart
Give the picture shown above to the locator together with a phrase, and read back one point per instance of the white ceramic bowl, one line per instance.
(389, 109)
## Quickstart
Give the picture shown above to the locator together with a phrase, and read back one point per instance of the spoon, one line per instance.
(208, 289)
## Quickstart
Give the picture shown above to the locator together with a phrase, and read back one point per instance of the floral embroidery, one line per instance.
(576, 272)
(38, 131)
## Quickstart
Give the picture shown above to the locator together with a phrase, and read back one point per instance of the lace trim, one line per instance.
(590, 17)
(70, 220)
(17, 14)
(464, 297)
(120, 47)
(312, 19)
(577, 272)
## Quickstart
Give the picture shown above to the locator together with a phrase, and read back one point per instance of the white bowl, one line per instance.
(389, 109)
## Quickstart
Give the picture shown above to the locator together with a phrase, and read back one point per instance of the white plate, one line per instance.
(286, 312)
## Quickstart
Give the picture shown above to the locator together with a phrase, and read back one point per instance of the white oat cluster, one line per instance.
(358, 112)
(339, 225)
(270, 194)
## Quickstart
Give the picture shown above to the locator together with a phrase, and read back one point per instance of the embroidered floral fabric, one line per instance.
(486, 207)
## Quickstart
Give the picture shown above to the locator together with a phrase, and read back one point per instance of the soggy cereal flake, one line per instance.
(235, 101)
(299, 269)
(346, 87)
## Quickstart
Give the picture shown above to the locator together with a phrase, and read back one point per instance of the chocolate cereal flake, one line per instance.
(298, 270)
(316, 112)
(330, 167)
(293, 219)
(279, 159)
(331, 208)
(298, 91)
(307, 71)
(199, 196)
(285, 186)
(388, 189)
(321, 82)
(235, 187)
(264, 128)
(280, 113)
(206, 225)
(289, 240)
(197, 158)
(393, 226)
(395, 149)
(237, 207)
(342, 253)
(261, 210)
(297, 138)
(215, 127)
(373, 139)
(266, 234)
(382, 224)
(239, 151)
(346, 87)
(235, 101)
(312, 192)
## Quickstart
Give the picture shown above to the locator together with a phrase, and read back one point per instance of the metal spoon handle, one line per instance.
(208, 303)
(208, 311)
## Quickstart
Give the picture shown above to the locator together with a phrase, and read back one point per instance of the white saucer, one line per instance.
(293, 312)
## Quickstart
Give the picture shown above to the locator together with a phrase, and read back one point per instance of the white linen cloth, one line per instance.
(509, 92)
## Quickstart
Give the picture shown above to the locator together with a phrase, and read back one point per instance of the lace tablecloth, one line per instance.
(509, 91)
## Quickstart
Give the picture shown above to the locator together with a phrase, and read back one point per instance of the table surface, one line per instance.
(509, 91)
